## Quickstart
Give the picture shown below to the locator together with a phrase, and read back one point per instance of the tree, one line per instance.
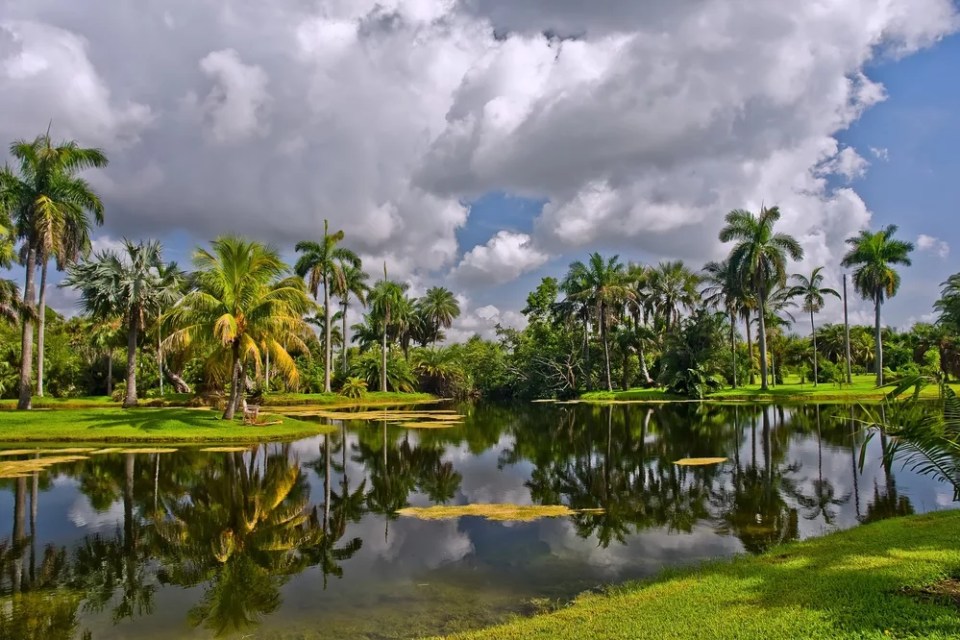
(948, 305)
(723, 291)
(601, 284)
(760, 257)
(440, 309)
(672, 288)
(131, 285)
(874, 254)
(49, 205)
(10, 304)
(242, 301)
(352, 283)
(811, 291)
(386, 298)
(321, 265)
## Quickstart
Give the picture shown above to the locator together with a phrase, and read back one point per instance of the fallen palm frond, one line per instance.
(498, 512)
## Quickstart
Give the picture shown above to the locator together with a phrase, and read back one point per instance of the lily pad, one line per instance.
(699, 462)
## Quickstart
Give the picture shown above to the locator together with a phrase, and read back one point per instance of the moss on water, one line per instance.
(498, 512)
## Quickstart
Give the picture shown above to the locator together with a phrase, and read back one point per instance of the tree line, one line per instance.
(242, 321)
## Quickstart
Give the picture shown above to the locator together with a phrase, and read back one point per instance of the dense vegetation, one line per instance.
(243, 322)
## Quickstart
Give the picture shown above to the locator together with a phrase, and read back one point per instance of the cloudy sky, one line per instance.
(483, 144)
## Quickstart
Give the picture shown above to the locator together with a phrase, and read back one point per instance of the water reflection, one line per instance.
(302, 539)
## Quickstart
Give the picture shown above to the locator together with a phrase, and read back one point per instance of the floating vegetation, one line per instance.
(225, 449)
(22, 468)
(498, 512)
(45, 452)
(441, 418)
(147, 450)
(439, 424)
(100, 452)
(699, 462)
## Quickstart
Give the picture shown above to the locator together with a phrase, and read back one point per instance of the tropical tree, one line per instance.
(49, 205)
(759, 255)
(322, 266)
(811, 291)
(874, 254)
(243, 302)
(440, 308)
(948, 305)
(352, 283)
(672, 288)
(386, 299)
(600, 284)
(10, 304)
(131, 285)
(723, 291)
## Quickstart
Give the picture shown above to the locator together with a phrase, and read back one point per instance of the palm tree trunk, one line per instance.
(132, 333)
(160, 357)
(878, 340)
(813, 332)
(327, 349)
(26, 343)
(41, 323)
(586, 352)
(345, 341)
(763, 344)
(19, 530)
(753, 379)
(234, 383)
(606, 346)
(733, 345)
(383, 359)
(110, 372)
(643, 363)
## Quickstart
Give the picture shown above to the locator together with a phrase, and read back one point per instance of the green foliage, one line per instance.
(400, 376)
(353, 387)
(692, 362)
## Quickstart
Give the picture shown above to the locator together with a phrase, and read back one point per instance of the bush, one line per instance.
(354, 387)
(827, 372)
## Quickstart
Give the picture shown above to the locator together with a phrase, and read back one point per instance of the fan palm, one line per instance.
(129, 285)
(387, 298)
(603, 285)
(874, 254)
(352, 283)
(49, 205)
(812, 292)
(440, 309)
(243, 302)
(673, 288)
(322, 266)
(948, 305)
(760, 257)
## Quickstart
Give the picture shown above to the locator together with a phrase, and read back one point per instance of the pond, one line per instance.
(303, 539)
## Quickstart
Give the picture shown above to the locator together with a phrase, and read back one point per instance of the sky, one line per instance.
(484, 144)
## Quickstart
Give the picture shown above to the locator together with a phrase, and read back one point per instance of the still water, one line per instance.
(302, 540)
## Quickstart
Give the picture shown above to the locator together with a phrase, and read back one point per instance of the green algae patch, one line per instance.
(699, 462)
(439, 424)
(498, 512)
(23, 468)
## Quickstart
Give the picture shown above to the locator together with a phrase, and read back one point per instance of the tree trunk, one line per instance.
(753, 379)
(606, 346)
(733, 345)
(763, 344)
(230, 409)
(586, 352)
(179, 384)
(878, 340)
(327, 349)
(345, 341)
(643, 364)
(383, 359)
(132, 333)
(813, 332)
(19, 530)
(110, 372)
(26, 343)
(160, 357)
(41, 323)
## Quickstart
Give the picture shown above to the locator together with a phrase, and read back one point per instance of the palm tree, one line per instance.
(760, 257)
(440, 309)
(723, 291)
(49, 204)
(673, 288)
(812, 292)
(601, 284)
(873, 254)
(386, 298)
(948, 305)
(10, 304)
(131, 285)
(321, 265)
(243, 302)
(352, 283)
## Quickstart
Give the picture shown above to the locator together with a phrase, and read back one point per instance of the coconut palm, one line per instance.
(760, 257)
(49, 205)
(132, 286)
(440, 309)
(673, 288)
(874, 255)
(811, 291)
(948, 305)
(603, 285)
(321, 266)
(723, 291)
(387, 298)
(243, 302)
(352, 283)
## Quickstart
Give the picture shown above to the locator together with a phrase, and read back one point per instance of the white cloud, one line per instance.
(483, 321)
(504, 257)
(880, 153)
(235, 106)
(933, 245)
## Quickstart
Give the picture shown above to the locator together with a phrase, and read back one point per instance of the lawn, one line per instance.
(372, 398)
(862, 389)
(144, 425)
(884, 580)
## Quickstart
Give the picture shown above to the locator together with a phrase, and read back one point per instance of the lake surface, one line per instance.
(302, 540)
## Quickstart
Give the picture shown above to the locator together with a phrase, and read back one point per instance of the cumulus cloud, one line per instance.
(930, 244)
(641, 124)
(880, 153)
(483, 321)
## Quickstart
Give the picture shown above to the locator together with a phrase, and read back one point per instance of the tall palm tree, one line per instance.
(603, 283)
(440, 309)
(10, 303)
(812, 291)
(131, 285)
(321, 266)
(386, 298)
(723, 291)
(874, 254)
(760, 257)
(49, 205)
(353, 283)
(673, 288)
(243, 302)
(948, 305)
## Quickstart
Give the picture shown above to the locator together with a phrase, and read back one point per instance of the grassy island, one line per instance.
(893, 579)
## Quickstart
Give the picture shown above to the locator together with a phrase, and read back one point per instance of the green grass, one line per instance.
(845, 585)
(372, 398)
(144, 425)
(862, 389)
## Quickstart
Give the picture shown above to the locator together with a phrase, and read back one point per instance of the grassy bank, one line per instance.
(863, 389)
(144, 425)
(870, 582)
